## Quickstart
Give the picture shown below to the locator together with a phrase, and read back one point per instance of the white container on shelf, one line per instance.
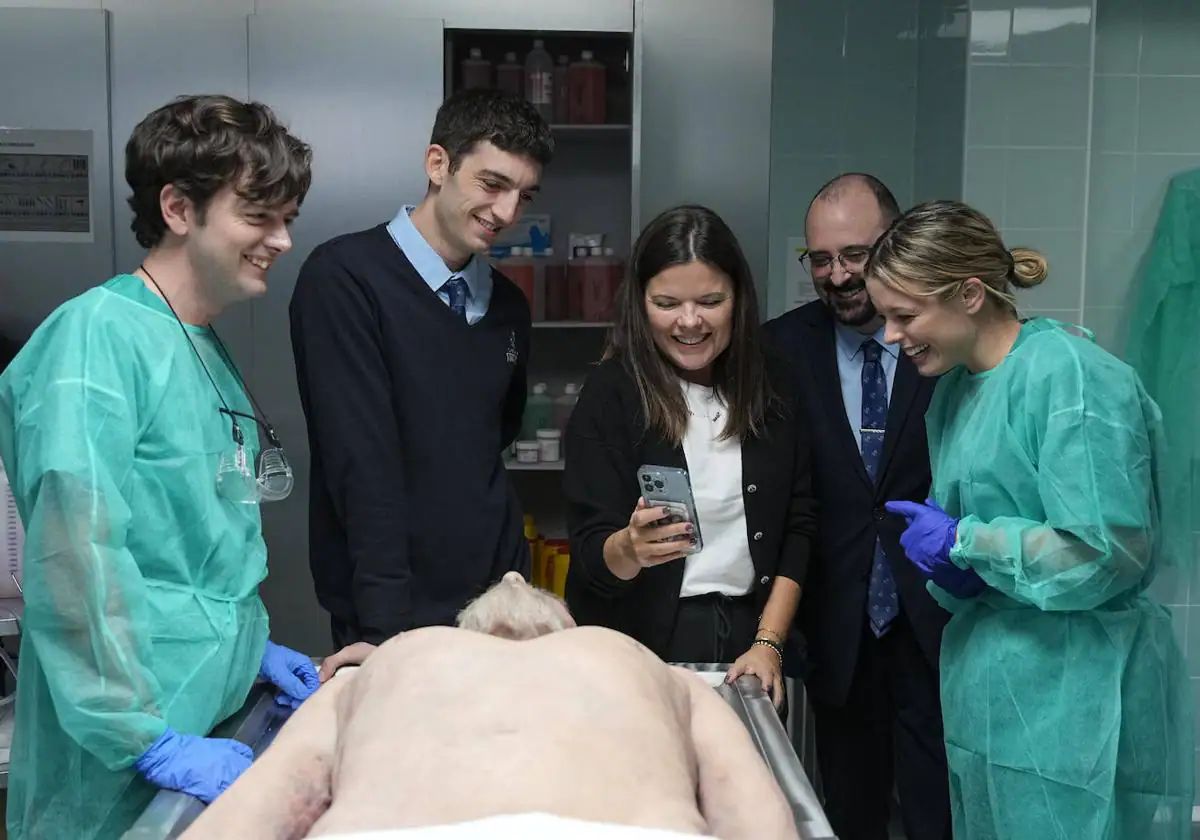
(549, 443)
(527, 451)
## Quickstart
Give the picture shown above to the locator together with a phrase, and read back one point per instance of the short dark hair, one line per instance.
(833, 189)
(508, 122)
(679, 236)
(202, 143)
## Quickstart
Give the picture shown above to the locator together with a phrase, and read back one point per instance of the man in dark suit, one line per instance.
(872, 630)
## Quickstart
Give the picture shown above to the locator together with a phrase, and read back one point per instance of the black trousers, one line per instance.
(889, 730)
(712, 628)
(715, 628)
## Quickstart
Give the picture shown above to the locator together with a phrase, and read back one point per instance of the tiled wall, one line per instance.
(1145, 128)
(941, 99)
(1078, 113)
(844, 97)
(1027, 111)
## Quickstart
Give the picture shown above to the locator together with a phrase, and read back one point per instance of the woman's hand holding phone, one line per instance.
(649, 541)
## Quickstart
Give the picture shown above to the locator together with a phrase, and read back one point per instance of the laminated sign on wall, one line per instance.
(45, 185)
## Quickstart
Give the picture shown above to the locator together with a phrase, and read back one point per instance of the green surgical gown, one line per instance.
(1162, 334)
(1066, 702)
(141, 584)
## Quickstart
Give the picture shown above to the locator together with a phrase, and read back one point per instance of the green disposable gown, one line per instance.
(1162, 336)
(1066, 702)
(141, 584)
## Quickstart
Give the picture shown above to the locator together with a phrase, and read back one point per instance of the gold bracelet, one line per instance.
(778, 636)
(776, 648)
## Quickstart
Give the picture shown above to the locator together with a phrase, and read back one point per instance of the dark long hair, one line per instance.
(677, 237)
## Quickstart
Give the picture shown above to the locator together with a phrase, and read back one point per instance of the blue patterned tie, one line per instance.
(456, 288)
(883, 605)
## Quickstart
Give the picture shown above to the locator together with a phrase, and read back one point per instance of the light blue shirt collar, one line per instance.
(850, 342)
(433, 270)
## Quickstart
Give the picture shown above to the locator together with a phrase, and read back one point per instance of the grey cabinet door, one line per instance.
(702, 112)
(53, 79)
(362, 89)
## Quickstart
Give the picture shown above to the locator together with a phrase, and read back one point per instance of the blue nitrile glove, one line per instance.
(291, 672)
(927, 541)
(202, 767)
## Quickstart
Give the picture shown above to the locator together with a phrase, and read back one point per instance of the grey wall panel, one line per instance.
(157, 54)
(41, 89)
(362, 89)
(592, 16)
(705, 114)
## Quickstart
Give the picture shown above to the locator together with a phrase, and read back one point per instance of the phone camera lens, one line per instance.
(645, 477)
(658, 484)
(649, 488)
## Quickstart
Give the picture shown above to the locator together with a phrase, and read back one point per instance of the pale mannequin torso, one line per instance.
(443, 726)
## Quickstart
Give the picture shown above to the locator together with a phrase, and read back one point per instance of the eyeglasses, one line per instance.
(272, 479)
(820, 263)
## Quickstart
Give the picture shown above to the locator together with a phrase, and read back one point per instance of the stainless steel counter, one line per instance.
(259, 719)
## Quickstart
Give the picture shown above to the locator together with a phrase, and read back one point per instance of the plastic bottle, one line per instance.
(542, 262)
(476, 70)
(616, 276)
(575, 272)
(554, 284)
(539, 412)
(549, 444)
(518, 267)
(597, 286)
(562, 562)
(564, 404)
(562, 90)
(554, 565)
(585, 80)
(535, 547)
(539, 80)
(510, 76)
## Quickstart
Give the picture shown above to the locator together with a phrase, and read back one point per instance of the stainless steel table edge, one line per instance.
(757, 713)
(170, 812)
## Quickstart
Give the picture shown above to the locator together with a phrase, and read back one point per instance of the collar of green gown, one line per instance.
(133, 288)
(1031, 327)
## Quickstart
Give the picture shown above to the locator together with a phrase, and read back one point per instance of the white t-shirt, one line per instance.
(715, 468)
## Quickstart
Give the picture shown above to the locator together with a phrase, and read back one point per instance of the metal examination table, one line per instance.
(259, 719)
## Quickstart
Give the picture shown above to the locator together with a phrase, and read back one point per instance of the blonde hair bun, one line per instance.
(1029, 268)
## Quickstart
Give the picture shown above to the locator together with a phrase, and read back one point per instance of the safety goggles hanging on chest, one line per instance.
(237, 481)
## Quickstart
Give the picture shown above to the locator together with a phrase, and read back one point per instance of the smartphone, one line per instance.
(670, 488)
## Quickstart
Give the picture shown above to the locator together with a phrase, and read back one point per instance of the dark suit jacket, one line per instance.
(606, 443)
(851, 507)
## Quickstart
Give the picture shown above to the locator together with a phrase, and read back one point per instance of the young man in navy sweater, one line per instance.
(410, 353)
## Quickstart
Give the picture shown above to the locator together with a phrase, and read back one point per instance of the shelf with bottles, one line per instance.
(578, 291)
(539, 444)
(511, 463)
(575, 79)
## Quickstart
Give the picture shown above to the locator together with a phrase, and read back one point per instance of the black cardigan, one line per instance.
(607, 441)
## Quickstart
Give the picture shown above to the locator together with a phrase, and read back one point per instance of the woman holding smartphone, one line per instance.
(686, 384)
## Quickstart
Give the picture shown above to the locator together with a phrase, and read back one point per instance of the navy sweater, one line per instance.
(411, 512)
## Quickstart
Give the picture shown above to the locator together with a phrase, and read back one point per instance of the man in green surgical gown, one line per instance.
(143, 625)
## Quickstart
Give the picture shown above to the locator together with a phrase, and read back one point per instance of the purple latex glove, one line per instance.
(927, 541)
(202, 767)
(291, 672)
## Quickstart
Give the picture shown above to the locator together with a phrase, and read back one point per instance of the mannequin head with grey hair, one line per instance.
(512, 609)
